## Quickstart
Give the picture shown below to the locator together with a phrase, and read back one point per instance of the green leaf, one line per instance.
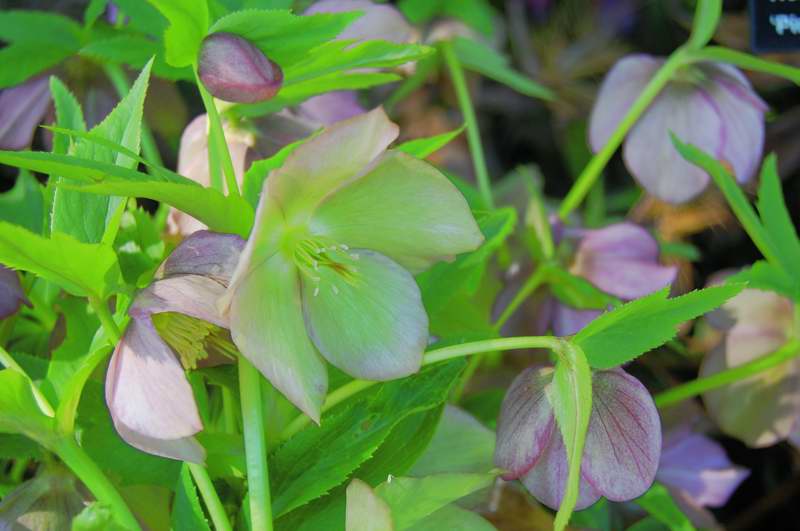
(575, 291)
(143, 16)
(83, 269)
(420, 11)
(571, 398)
(775, 216)
(658, 502)
(22, 60)
(454, 518)
(423, 147)
(96, 517)
(20, 411)
(479, 14)
(135, 50)
(69, 114)
(747, 61)
(765, 276)
(618, 336)
(255, 176)
(188, 23)
(23, 205)
(93, 12)
(480, 58)
(39, 26)
(187, 514)
(706, 18)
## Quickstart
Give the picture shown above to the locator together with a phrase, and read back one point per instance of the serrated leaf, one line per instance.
(24, 204)
(618, 336)
(188, 23)
(424, 147)
(187, 514)
(775, 216)
(69, 114)
(765, 276)
(706, 18)
(658, 502)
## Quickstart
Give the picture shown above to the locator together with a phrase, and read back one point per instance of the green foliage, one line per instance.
(20, 411)
(453, 517)
(748, 62)
(255, 176)
(776, 218)
(706, 18)
(658, 502)
(188, 23)
(424, 147)
(187, 514)
(618, 336)
(576, 291)
(478, 14)
(23, 205)
(96, 517)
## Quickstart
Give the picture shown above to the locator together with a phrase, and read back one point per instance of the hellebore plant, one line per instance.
(11, 293)
(22, 109)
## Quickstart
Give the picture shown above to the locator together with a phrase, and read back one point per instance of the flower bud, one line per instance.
(233, 69)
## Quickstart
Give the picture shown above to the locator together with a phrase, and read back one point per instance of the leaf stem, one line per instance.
(255, 447)
(728, 376)
(216, 135)
(594, 168)
(209, 494)
(103, 313)
(470, 120)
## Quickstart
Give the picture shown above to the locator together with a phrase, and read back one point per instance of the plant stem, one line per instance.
(594, 168)
(728, 376)
(94, 479)
(216, 136)
(533, 282)
(471, 122)
(103, 313)
(255, 447)
(215, 509)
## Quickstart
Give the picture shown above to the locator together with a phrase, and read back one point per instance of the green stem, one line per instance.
(255, 447)
(432, 356)
(103, 313)
(94, 479)
(215, 508)
(471, 122)
(533, 282)
(217, 137)
(728, 376)
(594, 168)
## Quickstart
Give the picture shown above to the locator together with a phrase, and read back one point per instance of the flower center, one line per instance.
(192, 339)
(318, 258)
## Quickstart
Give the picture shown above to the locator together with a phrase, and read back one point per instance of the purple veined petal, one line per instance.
(742, 113)
(22, 108)
(206, 253)
(183, 449)
(378, 21)
(526, 423)
(146, 388)
(622, 259)
(623, 444)
(622, 85)
(331, 107)
(690, 114)
(567, 321)
(192, 295)
(699, 466)
(11, 292)
(759, 310)
(548, 479)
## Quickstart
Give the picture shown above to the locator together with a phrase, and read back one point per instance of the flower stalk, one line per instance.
(255, 446)
(217, 147)
(215, 509)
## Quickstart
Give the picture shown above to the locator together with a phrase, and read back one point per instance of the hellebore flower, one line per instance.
(698, 474)
(48, 502)
(327, 270)
(379, 21)
(22, 108)
(759, 410)
(710, 105)
(11, 293)
(233, 69)
(147, 393)
(622, 448)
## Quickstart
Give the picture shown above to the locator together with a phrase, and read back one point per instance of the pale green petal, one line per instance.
(339, 154)
(403, 208)
(266, 320)
(369, 321)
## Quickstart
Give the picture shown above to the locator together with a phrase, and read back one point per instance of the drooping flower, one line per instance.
(760, 410)
(710, 105)
(48, 502)
(622, 448)
(379, 21)
(11, 292)
(234, 69)
(147, 393)
(22, 109)
(698, 474)
(327, 270)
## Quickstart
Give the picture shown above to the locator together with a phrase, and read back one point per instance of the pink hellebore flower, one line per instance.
(147, 393)
(11, 293)
(710, 105)
(22, 109)
(623, 443)
(379, 21)
(698, 474)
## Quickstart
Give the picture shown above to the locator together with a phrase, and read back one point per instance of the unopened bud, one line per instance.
(233, 69)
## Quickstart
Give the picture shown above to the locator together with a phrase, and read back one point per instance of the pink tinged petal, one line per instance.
(371, 324)
(338, 155)
(11, 293)
(377, 22)
(624, 440)
(622, 85)
(146, 388)
(760, 311)
(331, 107)
(547, 480)
(690, 114)
(22, 108)
(266, 322)
(183, 449)
(192, 295)
(567, 321)
(404, 208)
(526, 423)
(699, 466)
(622, 259)
(210, 254)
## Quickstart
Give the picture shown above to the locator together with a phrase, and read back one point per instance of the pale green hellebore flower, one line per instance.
(327, 271)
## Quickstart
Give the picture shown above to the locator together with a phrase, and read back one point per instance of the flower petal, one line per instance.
(211, 254)
(382, 22)
(266, 322)
(336, 156)
(622, 259)
(11, 292)
(331, 107)
(403, 208)
(620, 88)
(568, 321)
(21, 109)
(526, 422)
(183, 449)
(623, 444)
(690, 114)
(365, 510)
(373, 325)
(193, 295)
(146, 388)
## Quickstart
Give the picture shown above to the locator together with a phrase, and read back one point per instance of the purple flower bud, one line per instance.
(623, 443)
(22, 108)
(710, 105)
(11, 293)
(233, 69)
